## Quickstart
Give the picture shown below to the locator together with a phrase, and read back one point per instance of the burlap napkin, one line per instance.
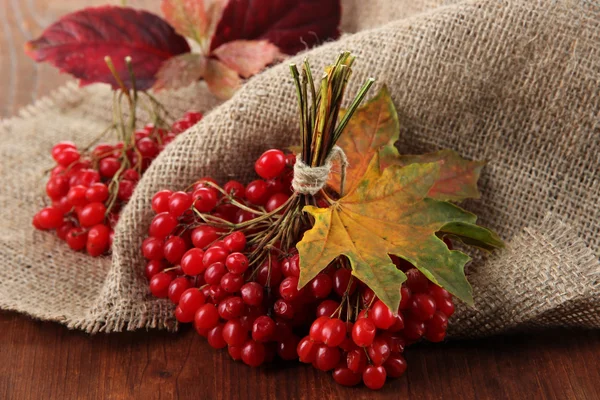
(515, 82)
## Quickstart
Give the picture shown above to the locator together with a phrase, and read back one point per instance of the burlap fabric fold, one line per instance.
(515, 82)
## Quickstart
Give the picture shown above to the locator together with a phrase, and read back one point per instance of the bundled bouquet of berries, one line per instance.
(340, 270)
(88, 187)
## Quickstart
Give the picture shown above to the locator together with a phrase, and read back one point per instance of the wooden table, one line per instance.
(40, 360)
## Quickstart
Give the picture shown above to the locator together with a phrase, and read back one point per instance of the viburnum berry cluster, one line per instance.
(89, 187)
(291, 266)
(256, 310)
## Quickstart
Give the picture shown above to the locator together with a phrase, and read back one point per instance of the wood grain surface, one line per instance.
(40, 360)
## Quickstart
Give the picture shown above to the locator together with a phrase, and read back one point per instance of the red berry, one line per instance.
(334, 332)
(379, 351)
(327, 357)
(173, 249)
(214, 254)
(291, 266)
(341, 280)
(345, 377)
(152, 248)
(327, 308)
(234, 333)
(231, 307)
(275, 201)
(92, 214)
(395, 366)
(50, 218)
(256, 192)
(252, 293)
(288, 289)
(446, 306)
(62, 205)
(263, 329)
(413, 329)
(109, 166)
(321, 286)
(381, 315)
(236, 263)
(160, 201)
(438, 293)
(177, 287)
(283, 309)
(367, 295)
(436, 327)
(405, 299)
(374, 377)
(316, 328)
(416, 281)
(98, 240)
(159, 284)
(205, 199)
(87, 177)
(179, 202)
(422, 306)
(231, 282)
(147, 147)
(189, 302)
(270, 164)
(57, 187)
(356, 360)
(125, 190)
(97, 193)
(67, 156)
(235, 241)
(235, 352)
(192, 117)
(60, 147)
(154, 267)
(269, 272)
(235, 189)
(131, 174)
(77, 238)
(191, 262)
(286, 347)
(363, 332)
(253, 353)
(162, 225)
(398, 324)
(215, 337)
(214, 273)
(307, 350)
(206, 317)
(203, 236)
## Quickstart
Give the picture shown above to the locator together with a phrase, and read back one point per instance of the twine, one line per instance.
(309, 180)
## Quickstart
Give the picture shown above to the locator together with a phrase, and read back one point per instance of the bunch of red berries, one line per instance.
(208, 253)
(89, 188)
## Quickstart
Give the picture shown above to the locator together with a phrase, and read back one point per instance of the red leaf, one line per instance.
(248, 57)
(291, 25)
(78, 43)
(181, 71)
(196, 19)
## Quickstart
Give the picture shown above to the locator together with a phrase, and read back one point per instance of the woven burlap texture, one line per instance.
(516, 83)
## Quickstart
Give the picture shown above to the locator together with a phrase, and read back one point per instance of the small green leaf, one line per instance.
(473, 235)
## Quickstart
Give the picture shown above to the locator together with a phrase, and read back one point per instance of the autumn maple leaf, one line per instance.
(395, 205)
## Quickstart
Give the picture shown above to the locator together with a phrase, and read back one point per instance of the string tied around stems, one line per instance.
(310, 180)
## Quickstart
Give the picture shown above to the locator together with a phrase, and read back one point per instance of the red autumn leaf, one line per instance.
(291, 25)
(248, 57)
(196, 19)
(78, 43)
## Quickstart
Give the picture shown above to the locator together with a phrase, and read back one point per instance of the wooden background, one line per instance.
(40, 360)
